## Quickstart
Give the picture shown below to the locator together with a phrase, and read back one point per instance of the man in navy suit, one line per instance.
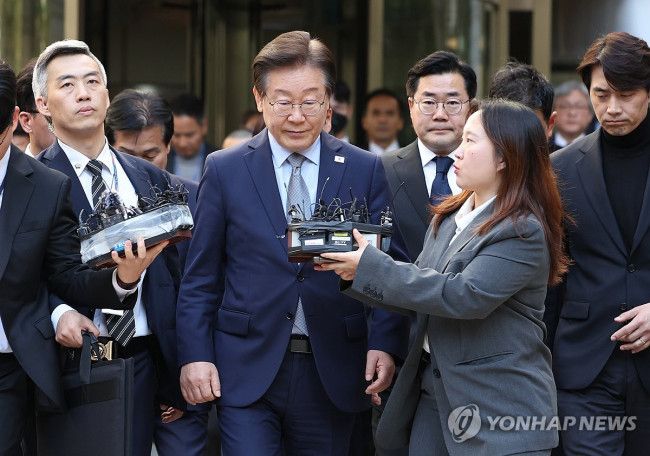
(289, 358)
(141, 124)
(599, 320)
(70, 89)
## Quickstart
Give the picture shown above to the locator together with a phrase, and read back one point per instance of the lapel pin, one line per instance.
(77, 165)
(339, 159)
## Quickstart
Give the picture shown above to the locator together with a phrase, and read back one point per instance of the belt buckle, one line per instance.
(107, 351)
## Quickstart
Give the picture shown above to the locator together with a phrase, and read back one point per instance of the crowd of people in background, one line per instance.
(515, 284)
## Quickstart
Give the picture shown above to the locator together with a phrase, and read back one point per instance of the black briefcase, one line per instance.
(98, 419)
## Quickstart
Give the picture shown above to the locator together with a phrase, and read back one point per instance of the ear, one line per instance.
(258, 99)
(25, 120)
(501, 166)
(41, 105)
(551, 124)
(14, 119)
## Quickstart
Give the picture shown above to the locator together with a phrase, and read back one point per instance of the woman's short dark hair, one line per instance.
(294, 49)
(625, 60)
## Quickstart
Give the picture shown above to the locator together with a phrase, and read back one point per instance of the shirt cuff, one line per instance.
(58, 312)
(121, 292)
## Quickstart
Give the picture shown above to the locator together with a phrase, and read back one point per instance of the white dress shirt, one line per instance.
(116, 181)
(429, 168)
(378, 150)
(4, 163)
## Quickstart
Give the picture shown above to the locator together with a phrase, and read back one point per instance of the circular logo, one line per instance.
(464, 422)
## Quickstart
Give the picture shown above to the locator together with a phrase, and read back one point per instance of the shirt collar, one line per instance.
(377, 149)
(426, 155)
(467, 212)
(280, 154)
(79, 160)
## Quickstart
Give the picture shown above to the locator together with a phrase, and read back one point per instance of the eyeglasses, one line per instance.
(451, 105)
(284, 108)
(4, 137)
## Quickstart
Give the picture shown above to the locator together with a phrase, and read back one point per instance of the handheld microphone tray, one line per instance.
(165, 218)
(308, 240)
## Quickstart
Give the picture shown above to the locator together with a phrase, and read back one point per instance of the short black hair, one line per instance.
(441, 62)
(187, 104)
(7, 95)
(385, 92)
(521, 82)
(135, 110)
(24, 93)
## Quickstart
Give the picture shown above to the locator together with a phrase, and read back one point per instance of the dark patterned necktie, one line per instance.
(298, 195)
(98, 187)
(440, 187)
(121, 328)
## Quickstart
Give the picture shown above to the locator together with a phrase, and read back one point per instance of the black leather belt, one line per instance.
(136, 345)
(299, 344)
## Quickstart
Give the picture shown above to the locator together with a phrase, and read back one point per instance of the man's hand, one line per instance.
(70, 326)
(170, 414)
(131, 267)
(383, 364)
(637, 329)
(200, 382)
(346, 263)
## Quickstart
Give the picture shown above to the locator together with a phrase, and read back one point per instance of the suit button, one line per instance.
(631, 268)
(289, 316)
(301, 278)
(436, 373)
(623, 307)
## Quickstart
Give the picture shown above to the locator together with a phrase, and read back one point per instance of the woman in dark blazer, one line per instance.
(478, 378)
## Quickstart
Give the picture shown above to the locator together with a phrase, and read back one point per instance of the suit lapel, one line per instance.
(55, 158)
(259, 162)
(17, 193)
(644, 217)
(590, 172)
(333, 163)
(409, 170)
(138, 178)
(465, 236)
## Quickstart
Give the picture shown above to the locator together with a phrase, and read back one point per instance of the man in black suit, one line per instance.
(70, 89)
(189, 148)
(440, 88)
(38, 248)
(599, 323)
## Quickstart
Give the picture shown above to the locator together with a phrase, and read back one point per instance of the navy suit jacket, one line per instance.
(192, 189)
(162, 280)
(240, 232)
(604, 279)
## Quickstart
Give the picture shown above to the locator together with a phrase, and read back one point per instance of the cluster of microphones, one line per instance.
(329, 229)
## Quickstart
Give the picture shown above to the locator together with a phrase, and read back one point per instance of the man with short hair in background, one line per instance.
(382, 120)
(189, 148)
(33, 122)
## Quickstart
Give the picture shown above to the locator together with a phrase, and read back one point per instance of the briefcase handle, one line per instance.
(89, 348)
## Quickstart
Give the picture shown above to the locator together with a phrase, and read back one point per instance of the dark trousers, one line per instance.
(145, 382)
(616, 393)
(14, 403)
(187, 436)
(294, 417)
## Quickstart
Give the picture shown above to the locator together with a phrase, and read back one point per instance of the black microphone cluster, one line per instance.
(330, 227)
